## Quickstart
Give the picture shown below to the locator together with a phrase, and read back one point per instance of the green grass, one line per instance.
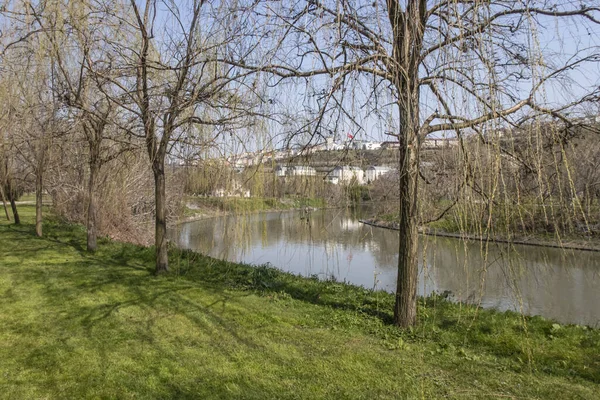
(75, 325)
(531, 228)
(31, 197)
(253, 204)
(527, 219)
(27, 197)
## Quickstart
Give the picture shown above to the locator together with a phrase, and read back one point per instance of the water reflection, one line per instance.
(557, 284)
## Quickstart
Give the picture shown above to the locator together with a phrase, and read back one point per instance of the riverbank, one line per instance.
(80, 325)
(198, 208)
(568, 244)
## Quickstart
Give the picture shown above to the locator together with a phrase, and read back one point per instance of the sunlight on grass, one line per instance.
(75, 325)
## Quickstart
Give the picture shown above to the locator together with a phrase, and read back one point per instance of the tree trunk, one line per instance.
(38, 202)
(92, 230)
(15, 212)
(12, 195)
(405, 309)
(160, 224)
(4, 202)
(408, 30)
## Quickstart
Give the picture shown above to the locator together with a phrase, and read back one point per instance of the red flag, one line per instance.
(350, 136)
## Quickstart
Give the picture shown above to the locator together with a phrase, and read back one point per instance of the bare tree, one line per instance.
(8, 187)
(82, 68)
(29, 76)
(9, 168)
(177, 83)
(33, 128)
(425, 67)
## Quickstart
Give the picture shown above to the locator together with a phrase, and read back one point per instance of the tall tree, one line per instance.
(177, 82)
(427, 67)
(82, 81)
(35, 126)
(29, 75)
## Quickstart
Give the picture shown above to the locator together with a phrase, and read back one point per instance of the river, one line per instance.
(332, 244)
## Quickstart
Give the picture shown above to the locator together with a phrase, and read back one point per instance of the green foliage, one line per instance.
(358, 193)
(527, 219)
(253, 204)
(206, 178)
(80, 325)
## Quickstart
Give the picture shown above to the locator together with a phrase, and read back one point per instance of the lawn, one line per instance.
(77, 325)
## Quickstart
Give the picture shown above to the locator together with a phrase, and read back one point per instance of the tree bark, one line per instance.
(407, 28)
(38, 202)
(405, 309)
(15, 212)
(92, 230)
(160, 233)
(4, 202)
(94, 135)
(12, 195)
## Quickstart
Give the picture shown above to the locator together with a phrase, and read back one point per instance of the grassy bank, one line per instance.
(75, 325)
(553, 234)
(214, 205)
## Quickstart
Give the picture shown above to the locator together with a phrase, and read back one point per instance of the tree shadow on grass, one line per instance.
(51, 234)
(267, 280)
(68, 290)
(217, 274)
(70, 318)
(123, 277)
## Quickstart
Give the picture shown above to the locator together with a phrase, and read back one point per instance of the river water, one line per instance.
(558, 284)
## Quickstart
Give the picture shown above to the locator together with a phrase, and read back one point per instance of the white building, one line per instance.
(375, 172)
(347, 174)
(280, 170)
(334, 180)
(283, 153)
(301, 170)
(372, 145)
(356, 145)
(331, 145)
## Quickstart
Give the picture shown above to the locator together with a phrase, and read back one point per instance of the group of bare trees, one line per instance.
(155, 75)
(120, 76)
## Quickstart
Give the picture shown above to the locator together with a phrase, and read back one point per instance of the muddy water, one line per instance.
(563, 285)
